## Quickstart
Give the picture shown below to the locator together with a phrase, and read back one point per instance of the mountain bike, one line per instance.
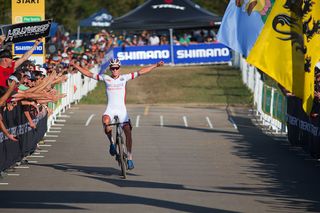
(121, 155)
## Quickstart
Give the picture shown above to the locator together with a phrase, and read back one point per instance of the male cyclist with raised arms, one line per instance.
(116, 92)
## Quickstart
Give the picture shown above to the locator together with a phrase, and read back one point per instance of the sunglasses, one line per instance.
(114, 68)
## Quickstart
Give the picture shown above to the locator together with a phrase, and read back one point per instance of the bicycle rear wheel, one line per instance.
(121, 157)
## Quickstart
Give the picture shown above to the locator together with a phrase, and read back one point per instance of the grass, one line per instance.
(207, 84)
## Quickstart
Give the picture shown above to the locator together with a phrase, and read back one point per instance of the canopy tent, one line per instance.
(102, 18)
(99, 19)
(166, 14)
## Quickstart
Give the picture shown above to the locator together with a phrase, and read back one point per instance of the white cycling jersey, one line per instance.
(116, 93)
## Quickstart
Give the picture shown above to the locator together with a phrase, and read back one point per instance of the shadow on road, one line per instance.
(70, 199)
(287, 173)
(201, 129)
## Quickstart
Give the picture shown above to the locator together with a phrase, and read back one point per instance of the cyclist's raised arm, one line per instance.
(145, 70)
(28, 53)
(82, 70)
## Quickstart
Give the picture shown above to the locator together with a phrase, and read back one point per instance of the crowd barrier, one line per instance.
(282, 114)
(17, 124)
(75, 88)
(269, 102)
(12, 152)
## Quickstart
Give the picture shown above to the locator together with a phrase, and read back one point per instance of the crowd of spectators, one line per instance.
(31, 86)
(154, 38)
(59, 43)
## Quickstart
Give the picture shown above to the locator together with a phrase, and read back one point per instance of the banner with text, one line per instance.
(30, 13)
(191, 54)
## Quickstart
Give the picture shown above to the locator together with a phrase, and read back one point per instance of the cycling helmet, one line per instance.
(114, 62)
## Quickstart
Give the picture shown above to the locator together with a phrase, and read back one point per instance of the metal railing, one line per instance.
(270, 104)
(75, 88)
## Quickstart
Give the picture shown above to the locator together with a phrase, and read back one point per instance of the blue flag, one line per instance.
(242, 23)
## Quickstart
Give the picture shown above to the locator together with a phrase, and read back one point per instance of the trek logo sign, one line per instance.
(195, 54)
(26, 31)
(102, 21)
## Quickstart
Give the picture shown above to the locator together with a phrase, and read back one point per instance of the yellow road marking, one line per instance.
(146, 110)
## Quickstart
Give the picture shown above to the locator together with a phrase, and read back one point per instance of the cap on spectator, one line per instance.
(85, 57)
(14, 78)
(55, 58)
(4, 53)
(43, 71)
(64, 55)
(28, 74)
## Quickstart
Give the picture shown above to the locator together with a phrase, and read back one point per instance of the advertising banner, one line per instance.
(26, 31)
(191, 54)
(201, 53)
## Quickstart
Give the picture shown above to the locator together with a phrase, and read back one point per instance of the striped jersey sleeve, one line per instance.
(98, 77)
(131, 76)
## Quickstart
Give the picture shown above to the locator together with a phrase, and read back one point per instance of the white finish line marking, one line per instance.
(51, 136)
(4, 184)
(45, 145)
(49, 141)
(89, 119)
(161, 120)
(35, 156)
(58, 124)
(209, 122)
(55, 128)
(54, 131)
(42, 151)
(137, 121)
(185, 121)
(60, 120)
(13, 174)
(32, 161)
(21, 167)
(64, 116)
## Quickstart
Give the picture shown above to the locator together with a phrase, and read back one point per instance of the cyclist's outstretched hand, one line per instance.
(160, 63)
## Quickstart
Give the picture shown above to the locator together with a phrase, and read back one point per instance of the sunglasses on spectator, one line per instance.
(114, 68)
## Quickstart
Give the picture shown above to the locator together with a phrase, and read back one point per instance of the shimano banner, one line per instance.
(201, 53)
(191, 54)
(26, 31)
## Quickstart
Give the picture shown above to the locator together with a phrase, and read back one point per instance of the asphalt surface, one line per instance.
(187, 159)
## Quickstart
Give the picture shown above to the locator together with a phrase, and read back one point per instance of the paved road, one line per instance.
(188, 159)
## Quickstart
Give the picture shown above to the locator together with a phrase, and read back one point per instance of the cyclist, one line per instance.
(116, 93)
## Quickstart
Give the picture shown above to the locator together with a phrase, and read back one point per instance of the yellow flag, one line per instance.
(289, 47)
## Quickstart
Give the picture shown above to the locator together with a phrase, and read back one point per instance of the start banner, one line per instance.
(191, 54)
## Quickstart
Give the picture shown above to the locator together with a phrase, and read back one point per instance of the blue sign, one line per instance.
(191, 54)
(201, 53)
(136, 55)
(23, 47)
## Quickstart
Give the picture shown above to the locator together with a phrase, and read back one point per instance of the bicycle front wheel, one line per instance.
(121, 158)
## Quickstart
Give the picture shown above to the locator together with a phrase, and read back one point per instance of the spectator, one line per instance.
(316, 102)
(8, 66)
(164, 40)
(154, 39)
(184, 40)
